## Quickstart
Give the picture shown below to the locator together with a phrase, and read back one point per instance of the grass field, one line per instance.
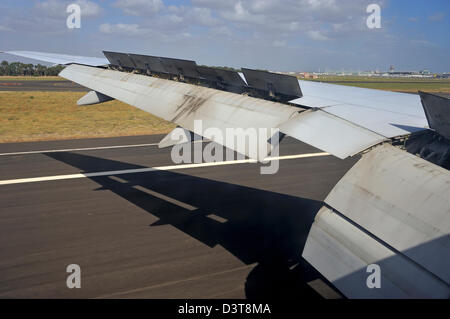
(35, 116)
(391, 84)
(31, 78)
(377, 79)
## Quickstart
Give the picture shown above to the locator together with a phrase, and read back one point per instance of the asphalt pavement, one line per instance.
(222, 231)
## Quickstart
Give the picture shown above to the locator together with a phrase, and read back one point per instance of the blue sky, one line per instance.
(285, 35)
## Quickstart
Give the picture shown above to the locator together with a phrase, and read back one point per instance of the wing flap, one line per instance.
(415, 219)
(389, 114)
(402, 103)
(386, 123)
(93, 97)
(330, 133)
(342, 252)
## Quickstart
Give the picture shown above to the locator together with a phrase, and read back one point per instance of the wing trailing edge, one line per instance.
(405, 232)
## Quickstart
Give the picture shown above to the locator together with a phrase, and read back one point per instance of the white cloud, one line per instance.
(242, 20)
(46, 17)
(4, 29)
(279, 43)
(193, 16)
(241, 14)
(250, 32)
(294, 17)
(89, 8)
(175, 18)
(316, 35)
(122, 29)
(202, 16)
(422, 43)
(139, 7)
(57, 8)
(222, 31)
(437, 17)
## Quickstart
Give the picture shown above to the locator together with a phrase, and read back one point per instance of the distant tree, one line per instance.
(40, 70)
(222, 68)
(18, 68)
(54, 70)
(4, 68)
(227, 68)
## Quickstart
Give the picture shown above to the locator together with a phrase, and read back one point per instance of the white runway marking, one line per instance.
(78, 149)
(151, 169)
(83, 149)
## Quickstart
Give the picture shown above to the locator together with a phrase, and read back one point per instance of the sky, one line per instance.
(277, 35)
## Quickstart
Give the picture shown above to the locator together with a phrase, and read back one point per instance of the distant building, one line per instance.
(307, 75)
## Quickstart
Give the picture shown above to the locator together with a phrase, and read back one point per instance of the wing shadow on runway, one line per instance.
(254, 225)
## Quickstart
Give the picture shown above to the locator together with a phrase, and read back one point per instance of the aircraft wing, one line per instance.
(57, 58)
(340, 120)
(343, 128)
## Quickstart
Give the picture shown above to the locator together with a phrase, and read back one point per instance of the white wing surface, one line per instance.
(183, 103)
(63, 59)
(389, 114)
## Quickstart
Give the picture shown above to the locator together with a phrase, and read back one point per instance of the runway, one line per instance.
(40, 85)
(68, 86)
(222, 231)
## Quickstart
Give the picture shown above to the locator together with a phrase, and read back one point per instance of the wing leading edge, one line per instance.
(62, 59)
(183, 103)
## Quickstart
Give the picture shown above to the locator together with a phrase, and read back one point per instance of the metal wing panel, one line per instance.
(63, 59)
(402, 103)
(207, 73)
(120, 59)
(314, 102)
(386, 123)
(146, 62)
(389, 114)
(341, 252)
(183, 103)
(437, 110)
(186, 67)
(241, 75)
(267, 81)
(93, 97)
(228, 77)
(330, 133)
(415, 219)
